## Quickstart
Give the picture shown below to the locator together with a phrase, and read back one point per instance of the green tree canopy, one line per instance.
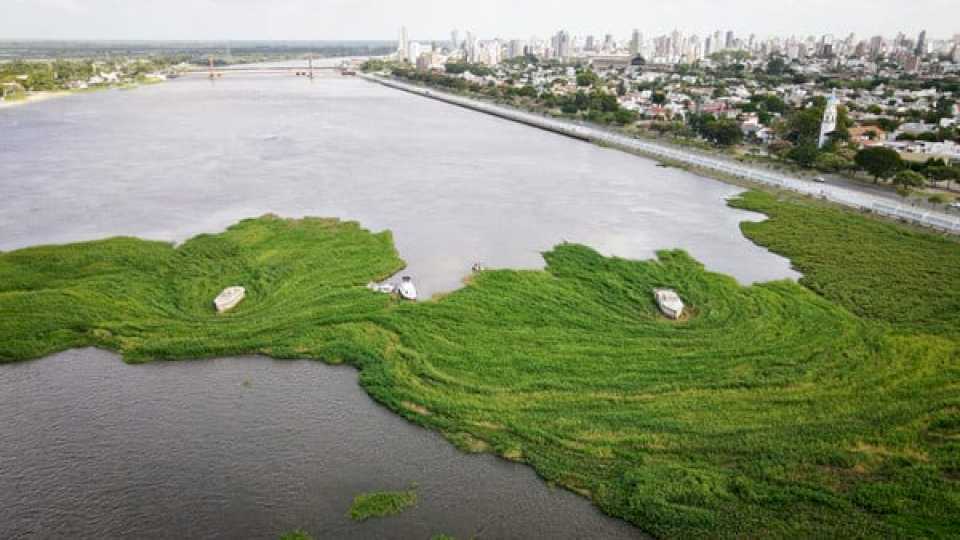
(908, 178)
(879, 162)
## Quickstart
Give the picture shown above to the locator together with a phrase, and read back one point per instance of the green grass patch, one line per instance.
(878, 270)
(381, 504)
(827, 409)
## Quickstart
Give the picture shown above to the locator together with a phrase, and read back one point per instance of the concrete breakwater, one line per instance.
(837, 194)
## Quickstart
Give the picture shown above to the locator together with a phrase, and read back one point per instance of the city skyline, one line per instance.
(432, 20)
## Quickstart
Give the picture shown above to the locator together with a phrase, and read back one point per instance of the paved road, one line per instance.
(852, 194)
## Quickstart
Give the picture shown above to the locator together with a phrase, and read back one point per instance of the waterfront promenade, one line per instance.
(838, 194)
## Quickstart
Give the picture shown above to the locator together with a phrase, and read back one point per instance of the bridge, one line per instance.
(214, 71)
(285, 70)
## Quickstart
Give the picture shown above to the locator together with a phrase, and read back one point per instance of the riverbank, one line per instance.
(38, 97)
(707, 165)
(33, 97)
(773, 411)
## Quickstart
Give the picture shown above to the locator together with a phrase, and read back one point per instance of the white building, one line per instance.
(829, 123)
(414, 50)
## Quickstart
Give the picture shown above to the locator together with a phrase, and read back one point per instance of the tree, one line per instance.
(587, 78)
(830, 162)
(944, 108)
(724, 132)
(888, 124)
(776, 66)
(804, 154)
(879, 162)
(803, 126)
(908, 179)
(943, 173)
(624, 116)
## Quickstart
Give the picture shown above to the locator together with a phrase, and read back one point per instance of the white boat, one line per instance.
(669, 302)
(386, 288)
(406, 289)
(229, 298)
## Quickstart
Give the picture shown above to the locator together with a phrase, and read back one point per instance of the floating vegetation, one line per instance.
(381, 504)
(822, 409)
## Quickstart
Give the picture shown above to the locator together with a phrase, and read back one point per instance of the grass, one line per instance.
(876, 269)
(829, 408)
(304, 279)
(381, 504)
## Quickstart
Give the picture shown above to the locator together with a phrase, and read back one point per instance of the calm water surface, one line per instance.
(93, 447)
(244, 448)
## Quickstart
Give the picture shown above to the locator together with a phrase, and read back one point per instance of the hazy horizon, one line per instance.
(371, 20)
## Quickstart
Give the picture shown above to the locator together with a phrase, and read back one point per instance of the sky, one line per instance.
(434, 19)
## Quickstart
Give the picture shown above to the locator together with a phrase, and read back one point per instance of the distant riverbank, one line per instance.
(33, 97)
(37, 97)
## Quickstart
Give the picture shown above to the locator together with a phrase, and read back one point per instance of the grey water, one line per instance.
(92, 447)
(245, 448)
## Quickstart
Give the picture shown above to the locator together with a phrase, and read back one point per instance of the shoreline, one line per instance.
(47, 95)
(35, 97)
(708, 166)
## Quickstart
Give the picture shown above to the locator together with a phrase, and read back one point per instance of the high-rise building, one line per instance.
(516, 48)
(487, 52)
(403, 44)
(708, 46)
(921, 44)
(414, 49)
(470, 46)
(729, 43)
(562, 44)
(591, 44)
(636, 41)
(608, 43)
(455, 39)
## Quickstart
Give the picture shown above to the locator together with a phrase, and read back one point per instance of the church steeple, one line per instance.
(829, 123)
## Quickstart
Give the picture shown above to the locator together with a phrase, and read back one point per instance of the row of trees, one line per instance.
(592, 104)
(55, 75)
(722, 132)
(884, 163)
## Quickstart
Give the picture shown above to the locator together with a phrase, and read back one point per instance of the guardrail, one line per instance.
(847, 197)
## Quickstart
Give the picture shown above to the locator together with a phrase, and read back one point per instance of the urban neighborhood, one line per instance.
(886, 107)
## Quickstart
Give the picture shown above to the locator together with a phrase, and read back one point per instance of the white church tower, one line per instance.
(829, 123)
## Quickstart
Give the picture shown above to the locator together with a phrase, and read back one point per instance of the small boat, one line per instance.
(669, 302)
(229, 298)
(386, 288)
(406, 289)
(478, 267)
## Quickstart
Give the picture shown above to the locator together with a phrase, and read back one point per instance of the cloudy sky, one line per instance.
(433, 19)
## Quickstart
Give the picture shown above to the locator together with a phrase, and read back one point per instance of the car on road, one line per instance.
(819, 179)
(955, 205)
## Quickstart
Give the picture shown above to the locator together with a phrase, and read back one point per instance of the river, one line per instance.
(252, 447)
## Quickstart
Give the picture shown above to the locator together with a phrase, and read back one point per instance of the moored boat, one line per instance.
(386, 288)
(669, 302)
(407, 289)
(229, 298)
